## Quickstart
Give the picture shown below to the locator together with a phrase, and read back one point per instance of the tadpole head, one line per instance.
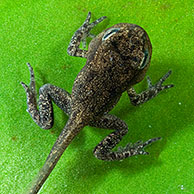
(132, 43)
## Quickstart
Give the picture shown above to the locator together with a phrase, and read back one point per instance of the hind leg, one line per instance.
(44, 116)
(103, 150)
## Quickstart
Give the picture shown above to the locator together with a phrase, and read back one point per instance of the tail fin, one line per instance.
(71, 129)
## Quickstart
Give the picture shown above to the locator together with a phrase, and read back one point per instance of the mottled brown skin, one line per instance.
(110, 71)
(117, 59)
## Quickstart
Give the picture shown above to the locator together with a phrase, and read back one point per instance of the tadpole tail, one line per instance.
(71, 129)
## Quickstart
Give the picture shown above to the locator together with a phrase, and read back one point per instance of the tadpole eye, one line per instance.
(145, 59)
(109, 33)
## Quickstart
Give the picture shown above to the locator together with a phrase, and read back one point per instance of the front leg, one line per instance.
(80, 35)
(151, 92)
(44, 116)
(103, 150)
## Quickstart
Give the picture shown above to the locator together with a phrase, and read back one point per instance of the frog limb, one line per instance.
(44, 116)
(80, 36)
(151, 92)
(103, 150)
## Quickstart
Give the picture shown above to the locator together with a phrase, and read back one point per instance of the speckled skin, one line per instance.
(117, 59)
